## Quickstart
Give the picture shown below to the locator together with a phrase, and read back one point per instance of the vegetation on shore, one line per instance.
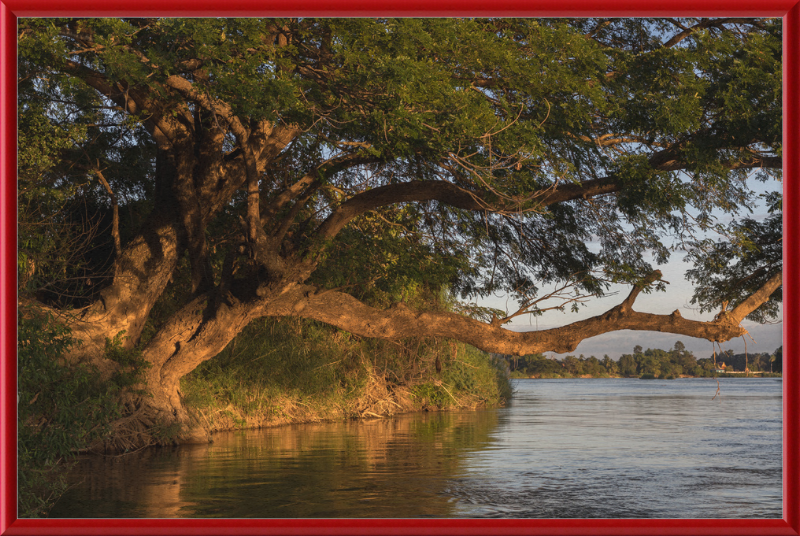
(293, 370)
(61, 409)
(648, 364)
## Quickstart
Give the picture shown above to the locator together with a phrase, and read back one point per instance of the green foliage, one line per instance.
(382, 261)
(132, 368)
(665, 364)
(67, 131)
(61, 410)
(64, 408)
(678, 361)
(754, 362)
(728, 271)
(627, 365)
(777, 362)
(507, 107)
(292, 370)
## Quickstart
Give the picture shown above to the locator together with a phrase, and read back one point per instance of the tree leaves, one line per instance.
(670, 115)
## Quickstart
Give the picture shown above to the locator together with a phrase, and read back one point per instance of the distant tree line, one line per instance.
(650, 363)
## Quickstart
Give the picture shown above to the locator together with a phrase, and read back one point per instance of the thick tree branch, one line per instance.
(286, 195)
(165, 130)
(267, 141)
(442, 191)
(251, 172)
(219, 108)
(757, 298)
(346, 312)
(326, 168)
(450, 194)
(483, 200)
(288, 221)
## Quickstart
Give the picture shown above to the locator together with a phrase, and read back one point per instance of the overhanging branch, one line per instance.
(346, 312)
(455, 196)
(484, 200)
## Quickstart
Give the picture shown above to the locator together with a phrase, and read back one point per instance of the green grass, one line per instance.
(291, 370)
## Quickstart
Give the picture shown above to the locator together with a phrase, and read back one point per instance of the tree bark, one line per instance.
(141, 274)
(196, 333)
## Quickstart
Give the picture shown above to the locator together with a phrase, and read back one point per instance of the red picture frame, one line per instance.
(789, 10)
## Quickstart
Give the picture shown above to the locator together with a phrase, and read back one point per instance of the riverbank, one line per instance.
(294, 371)
(275, 373)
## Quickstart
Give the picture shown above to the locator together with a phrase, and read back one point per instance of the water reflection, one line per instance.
(381, 468)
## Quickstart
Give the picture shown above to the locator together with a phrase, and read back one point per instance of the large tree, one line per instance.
(241, 168)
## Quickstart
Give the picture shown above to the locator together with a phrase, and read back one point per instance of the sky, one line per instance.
(763, 337)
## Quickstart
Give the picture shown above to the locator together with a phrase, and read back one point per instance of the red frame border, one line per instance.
(789, 10)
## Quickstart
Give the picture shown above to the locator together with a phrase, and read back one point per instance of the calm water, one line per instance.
(563, 449)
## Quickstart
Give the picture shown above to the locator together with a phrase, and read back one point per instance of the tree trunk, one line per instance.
(141, 274)
(196, 333)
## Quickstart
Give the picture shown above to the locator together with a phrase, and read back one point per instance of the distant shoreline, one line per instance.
(770, 375)
(649, 364)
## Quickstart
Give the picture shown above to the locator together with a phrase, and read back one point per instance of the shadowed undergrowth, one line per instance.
(292, 370)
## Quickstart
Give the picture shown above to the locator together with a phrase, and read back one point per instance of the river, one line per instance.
(587, 448)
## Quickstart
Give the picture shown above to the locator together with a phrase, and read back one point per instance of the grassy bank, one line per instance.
(290, 371)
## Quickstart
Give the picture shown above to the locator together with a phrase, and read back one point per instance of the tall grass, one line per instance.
(294, 370)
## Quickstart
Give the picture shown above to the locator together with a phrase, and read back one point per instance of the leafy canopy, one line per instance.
(654, 124)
